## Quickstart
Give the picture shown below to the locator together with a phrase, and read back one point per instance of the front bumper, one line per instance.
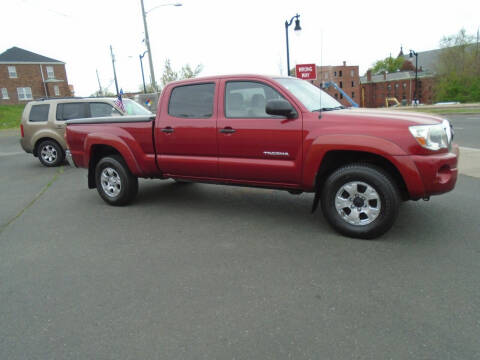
(433, 174)
(68, 156)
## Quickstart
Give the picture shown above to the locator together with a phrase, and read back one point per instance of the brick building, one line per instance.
(375, 89)
(344, 76)
(25, 76)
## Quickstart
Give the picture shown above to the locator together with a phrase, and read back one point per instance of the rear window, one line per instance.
(39, 113)
(67, 111)
(192, 101)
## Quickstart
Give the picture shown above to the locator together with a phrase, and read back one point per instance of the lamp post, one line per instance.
(297, 28)
(412, 54)
(147, 39)
(141, 67)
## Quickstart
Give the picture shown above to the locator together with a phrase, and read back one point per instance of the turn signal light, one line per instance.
(21, 131)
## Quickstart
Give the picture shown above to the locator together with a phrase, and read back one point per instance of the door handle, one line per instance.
(227, 130)
(167, 130)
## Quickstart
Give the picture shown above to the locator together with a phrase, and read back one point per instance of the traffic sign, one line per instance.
(306, 71)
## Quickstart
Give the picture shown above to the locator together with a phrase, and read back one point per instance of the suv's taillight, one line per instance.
(21, 131)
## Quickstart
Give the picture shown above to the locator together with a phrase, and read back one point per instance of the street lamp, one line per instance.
(297, 28)
(412, 54)
(147, 40)
(141, 67)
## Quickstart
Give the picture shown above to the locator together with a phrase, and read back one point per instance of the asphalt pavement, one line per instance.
(194, 271)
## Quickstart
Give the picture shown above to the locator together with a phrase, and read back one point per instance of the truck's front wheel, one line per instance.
(360, 200)
(115, 183)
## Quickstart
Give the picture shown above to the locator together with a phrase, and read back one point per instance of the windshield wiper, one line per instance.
(330, 108)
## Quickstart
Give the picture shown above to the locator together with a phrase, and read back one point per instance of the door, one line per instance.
(254, 146)
(185, 131)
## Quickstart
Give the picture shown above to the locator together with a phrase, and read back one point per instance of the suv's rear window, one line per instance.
(39, 113)
(192, 101)
(67, 111)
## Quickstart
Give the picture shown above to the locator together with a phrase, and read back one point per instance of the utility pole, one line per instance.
(114, 72)
(100, 92)
(147, 42)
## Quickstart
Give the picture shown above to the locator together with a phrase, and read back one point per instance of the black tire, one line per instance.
(119, 185)
(50, 153)
(369, 218)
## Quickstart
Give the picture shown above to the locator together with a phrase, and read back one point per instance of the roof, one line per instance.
(399, 75)
(15, 55)
(427, 60)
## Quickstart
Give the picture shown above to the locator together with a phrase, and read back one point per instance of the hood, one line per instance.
(388, 117)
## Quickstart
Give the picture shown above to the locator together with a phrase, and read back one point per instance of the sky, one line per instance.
(226, 37)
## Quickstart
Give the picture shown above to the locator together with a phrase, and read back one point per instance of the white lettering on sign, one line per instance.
(305, 68)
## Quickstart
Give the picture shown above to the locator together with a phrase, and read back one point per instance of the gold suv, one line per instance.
(43, 123)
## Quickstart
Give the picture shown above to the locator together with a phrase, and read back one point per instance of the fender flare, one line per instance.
(321, 145)
(115, 142)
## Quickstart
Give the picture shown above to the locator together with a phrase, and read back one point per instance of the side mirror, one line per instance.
(281, 108)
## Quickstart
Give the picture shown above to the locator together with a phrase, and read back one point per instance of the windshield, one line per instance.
(311, 97)
(134, 108)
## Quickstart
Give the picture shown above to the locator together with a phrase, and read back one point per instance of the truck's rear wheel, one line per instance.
(360, 200)
(115, 183)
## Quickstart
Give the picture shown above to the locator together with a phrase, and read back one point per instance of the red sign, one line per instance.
(306, 71)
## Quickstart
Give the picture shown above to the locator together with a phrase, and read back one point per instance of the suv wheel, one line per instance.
(50, 153)
(360, 200)
(115, 183)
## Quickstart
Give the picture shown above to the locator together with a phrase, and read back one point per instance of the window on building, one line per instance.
(353, 83)
(404, 85)
(341, 84)
(340, 73)
(24, 93)
(56, 90)
(67, 111)
(334, 73)
(244, 99)
(396, 86)
(336, 96)
(192, 101)
(50, 73)
(353, 94)
(341, 96)
(39, 113)
(352, 73)
(389, 87)
(12, 72)
(103, 109)
(5, 94)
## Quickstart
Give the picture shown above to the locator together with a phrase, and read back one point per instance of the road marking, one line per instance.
(12, 153)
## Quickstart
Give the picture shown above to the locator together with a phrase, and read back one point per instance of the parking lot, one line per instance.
(194, 271)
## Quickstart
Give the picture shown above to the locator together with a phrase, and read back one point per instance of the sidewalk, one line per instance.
(469, 163)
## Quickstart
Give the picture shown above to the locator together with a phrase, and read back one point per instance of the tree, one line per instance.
(458, 68)
(104, 93)
(388, 65)
(186, 72)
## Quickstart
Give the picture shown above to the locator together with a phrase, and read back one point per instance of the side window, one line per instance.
(192, 101)
(247, 99)
(67, 111)
(103, 109)
(39, 113)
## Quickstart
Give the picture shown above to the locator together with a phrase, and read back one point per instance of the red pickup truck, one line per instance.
(273, 132)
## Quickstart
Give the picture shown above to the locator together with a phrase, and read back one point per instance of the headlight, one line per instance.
(432, 137)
